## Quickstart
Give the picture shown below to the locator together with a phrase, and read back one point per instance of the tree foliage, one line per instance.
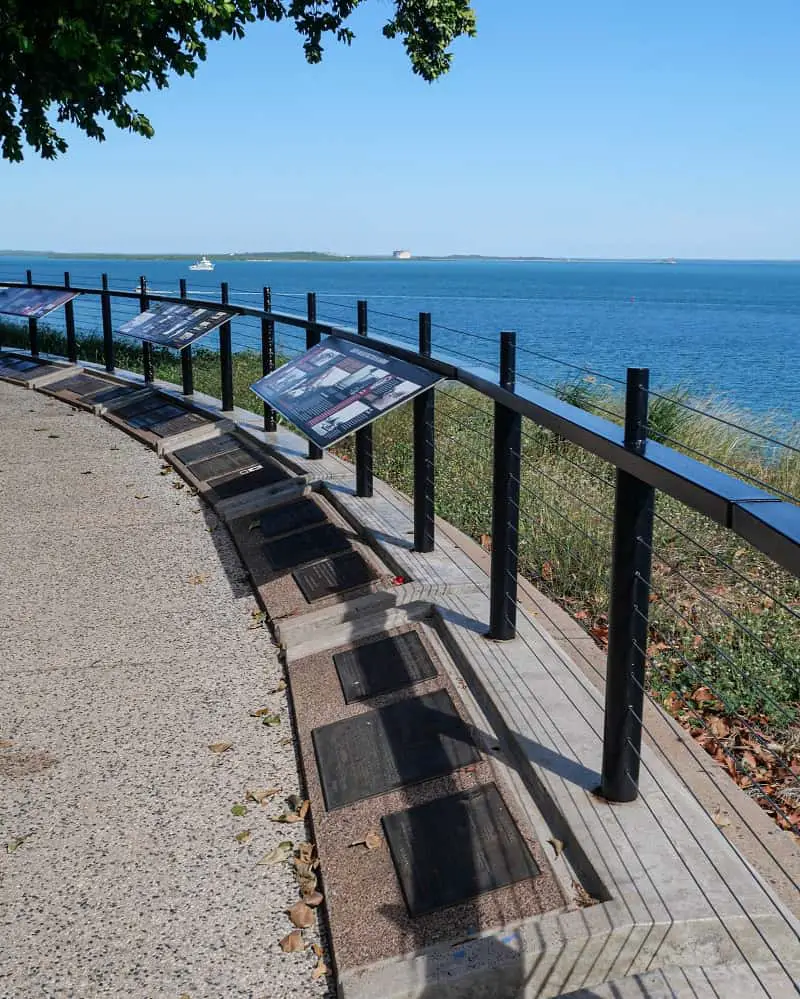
(79, 61)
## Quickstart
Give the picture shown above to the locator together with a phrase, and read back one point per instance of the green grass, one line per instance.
(710, 625)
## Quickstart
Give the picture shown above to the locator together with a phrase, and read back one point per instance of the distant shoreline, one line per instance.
(300, 256)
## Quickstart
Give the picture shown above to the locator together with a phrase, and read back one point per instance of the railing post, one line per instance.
(364, 485)
(33, 326)
(505, 502)
(312, 339)
(226, 355)
(108, 332)
(69, 323)
(268, 359)
(629, 606)
(187, 369)
(148, 362)
(424, 413)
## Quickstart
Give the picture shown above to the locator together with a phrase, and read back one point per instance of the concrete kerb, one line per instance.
(63, 371)
(257, 500)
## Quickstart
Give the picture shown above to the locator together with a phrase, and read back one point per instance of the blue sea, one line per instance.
(714, 328)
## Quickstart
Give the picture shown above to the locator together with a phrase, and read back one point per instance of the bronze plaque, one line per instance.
(290, 517)
(177, 422)
(23, 368)
(112, 393)
(453, 849)
(257, 475)
(403, 743)
(218, 465)
(82, 386)
(382, 665)
(206, 449)
(333, 575)
(307, 546)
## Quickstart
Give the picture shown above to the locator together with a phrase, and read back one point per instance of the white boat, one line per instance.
(203, 264)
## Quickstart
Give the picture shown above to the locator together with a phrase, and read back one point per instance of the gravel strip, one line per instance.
(128, 645)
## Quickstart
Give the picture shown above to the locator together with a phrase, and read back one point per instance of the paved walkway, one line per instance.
(127, 647)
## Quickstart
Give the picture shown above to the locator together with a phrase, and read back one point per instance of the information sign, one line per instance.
(338, 387)
(33, 303)
(173, 325)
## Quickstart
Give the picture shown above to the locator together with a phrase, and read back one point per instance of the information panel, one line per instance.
(32, 302)
(173, 325)
(338, 387)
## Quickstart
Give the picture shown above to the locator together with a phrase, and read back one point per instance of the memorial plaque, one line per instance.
(290, 517)
(403, 743)
(135, 409)
(112, 394)
(453, 849)
(219, 465)
(80, 385)
(23, 368)
(181, 421)
(382, 665)
(333, 575)
(19, 363)
(207, 449)
(255, 477)
(150, 415)
(308, 546)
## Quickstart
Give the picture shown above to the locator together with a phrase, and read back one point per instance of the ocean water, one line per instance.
(729, 329)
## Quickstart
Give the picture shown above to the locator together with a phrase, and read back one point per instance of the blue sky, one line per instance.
(571, 129)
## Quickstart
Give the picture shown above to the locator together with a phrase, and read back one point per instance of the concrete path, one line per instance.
(128, 646)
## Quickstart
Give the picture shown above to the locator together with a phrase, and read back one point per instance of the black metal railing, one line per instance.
(644, 469)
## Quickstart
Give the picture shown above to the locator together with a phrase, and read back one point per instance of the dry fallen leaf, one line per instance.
(301, 915)
(372, 841)
(197, 577)
(293, 942)
(286, 817)
(220, 747)
(260, 712)
(317, 949)
(271, 720)
(702, 695)
(6, 743)
(557, 845)
(281, 686)
(261, 795)
(720, 820)
(306, 882)
(314, 898)
(718, 727)
(305, 853)
(303, 810)
(15, 844)
(279, 855)
(319, 971)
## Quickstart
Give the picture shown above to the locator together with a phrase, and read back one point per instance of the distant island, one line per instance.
(263, 256)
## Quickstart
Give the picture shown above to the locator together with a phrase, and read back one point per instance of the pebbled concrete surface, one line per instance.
(127, 647)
